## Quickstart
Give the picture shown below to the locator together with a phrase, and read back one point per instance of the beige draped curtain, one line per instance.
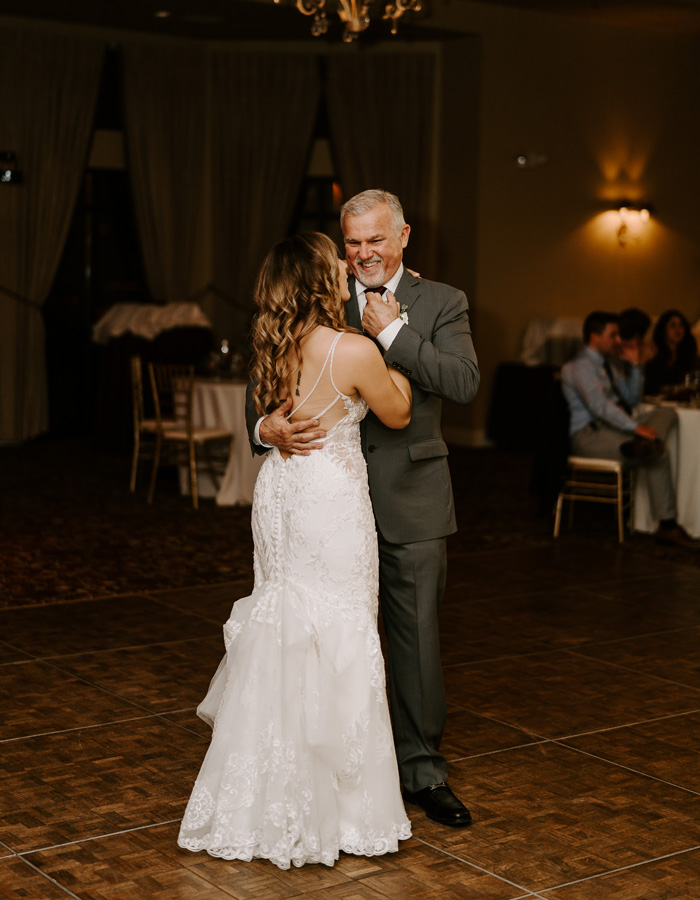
(263, 111)
(165, 128)
(49, 91)
(387, 143)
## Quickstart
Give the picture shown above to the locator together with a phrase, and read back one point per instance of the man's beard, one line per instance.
(374, 280)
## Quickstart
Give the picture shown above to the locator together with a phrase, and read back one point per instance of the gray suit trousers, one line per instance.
(412, 584)
(604, 442)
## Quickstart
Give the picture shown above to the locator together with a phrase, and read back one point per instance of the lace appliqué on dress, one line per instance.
(301, 764)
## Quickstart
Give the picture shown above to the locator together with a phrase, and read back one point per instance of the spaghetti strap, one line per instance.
(327, 360)
(330, 364)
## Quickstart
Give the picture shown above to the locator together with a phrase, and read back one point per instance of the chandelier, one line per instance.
(354, 14)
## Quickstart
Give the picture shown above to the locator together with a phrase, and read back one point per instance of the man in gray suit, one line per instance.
(423, 330)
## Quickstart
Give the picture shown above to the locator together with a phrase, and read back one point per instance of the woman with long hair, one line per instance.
(301, 764)
(676, 353)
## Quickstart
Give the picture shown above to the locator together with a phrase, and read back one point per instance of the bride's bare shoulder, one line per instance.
(358, 346)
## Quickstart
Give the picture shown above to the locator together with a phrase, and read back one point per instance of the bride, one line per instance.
(301, 763)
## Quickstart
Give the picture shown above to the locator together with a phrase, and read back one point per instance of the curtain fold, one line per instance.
(263, 110)
(387, 143)
(48, 103)
(165, 128)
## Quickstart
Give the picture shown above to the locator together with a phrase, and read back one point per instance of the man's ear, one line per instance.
(405, 231)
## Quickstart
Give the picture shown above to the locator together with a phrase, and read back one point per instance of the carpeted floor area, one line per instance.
(70, 529)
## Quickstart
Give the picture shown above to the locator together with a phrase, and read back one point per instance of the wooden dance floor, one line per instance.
(573, 680)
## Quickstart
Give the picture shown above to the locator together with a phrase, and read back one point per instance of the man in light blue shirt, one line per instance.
(602, 386)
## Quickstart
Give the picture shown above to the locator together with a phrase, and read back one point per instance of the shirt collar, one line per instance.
(595, 355)
(390, 285)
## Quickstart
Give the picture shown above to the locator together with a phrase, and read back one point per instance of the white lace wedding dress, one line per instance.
(301, 763)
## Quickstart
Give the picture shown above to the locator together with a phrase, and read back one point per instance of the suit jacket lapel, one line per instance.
(408, 290)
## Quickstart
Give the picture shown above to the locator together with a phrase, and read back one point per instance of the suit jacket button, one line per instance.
(371, 448)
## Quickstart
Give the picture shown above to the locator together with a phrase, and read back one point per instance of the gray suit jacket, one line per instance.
(409, 479)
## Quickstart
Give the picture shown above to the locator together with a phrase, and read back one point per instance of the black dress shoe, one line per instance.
(441, 805)
(678, 536)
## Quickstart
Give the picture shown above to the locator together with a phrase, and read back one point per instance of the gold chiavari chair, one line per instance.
(173, 390)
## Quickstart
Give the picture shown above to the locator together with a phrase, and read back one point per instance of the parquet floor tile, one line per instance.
(79, 784)
(212, 602)
(473, 631)
(561, 617)
(440, 877)
(19, 881)
(10, 654)
(35, 698)
(675, 592)
(563, 693)
(560, 559)
(188, 718)
(546, 815)
(421, 870)
(674, 655)
(676, 878)
(467, 734)
(148, 865)
(668, 749)
(159, 677)
(105, 624)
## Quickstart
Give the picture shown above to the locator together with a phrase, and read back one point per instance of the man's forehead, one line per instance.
(376, 220)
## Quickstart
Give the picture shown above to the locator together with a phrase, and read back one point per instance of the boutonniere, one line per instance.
(403, 313)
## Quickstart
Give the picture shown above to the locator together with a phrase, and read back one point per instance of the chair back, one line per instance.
(173, 386)
(137, 392)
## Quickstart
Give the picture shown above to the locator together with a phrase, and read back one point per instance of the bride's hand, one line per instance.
(290, 437)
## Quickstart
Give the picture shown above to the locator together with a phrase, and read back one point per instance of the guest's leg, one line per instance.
(412, 583)
(600, 442)
(605, 443)
(662, 492)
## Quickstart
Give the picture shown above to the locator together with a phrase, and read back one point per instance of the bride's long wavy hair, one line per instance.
(296, 290)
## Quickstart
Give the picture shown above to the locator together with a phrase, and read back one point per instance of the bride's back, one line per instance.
(315, 389)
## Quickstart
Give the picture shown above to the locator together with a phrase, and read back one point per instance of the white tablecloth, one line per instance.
(222, 404)
(147, 320)
(684, 448)
(551, 341)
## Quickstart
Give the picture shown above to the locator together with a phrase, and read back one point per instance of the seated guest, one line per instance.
(601, 396)
(676, 353)
(634, 324)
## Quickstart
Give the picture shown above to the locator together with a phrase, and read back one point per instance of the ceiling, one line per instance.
(260, 20)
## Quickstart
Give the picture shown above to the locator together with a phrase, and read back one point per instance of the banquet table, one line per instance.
(222, 404)
(683, 445)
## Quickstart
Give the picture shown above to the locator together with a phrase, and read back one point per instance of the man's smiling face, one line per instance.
(373, 247)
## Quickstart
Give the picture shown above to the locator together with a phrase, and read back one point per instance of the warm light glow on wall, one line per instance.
(625, 226)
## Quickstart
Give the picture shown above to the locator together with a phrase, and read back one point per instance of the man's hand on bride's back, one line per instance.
(292, 437)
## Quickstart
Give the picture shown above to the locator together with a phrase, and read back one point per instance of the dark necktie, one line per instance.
(619, 399)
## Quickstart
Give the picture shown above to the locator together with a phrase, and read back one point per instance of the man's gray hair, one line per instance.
(368, 200)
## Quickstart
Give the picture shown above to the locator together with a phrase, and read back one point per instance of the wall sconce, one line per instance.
(632, 213)
(531, 160)
(9, 173)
